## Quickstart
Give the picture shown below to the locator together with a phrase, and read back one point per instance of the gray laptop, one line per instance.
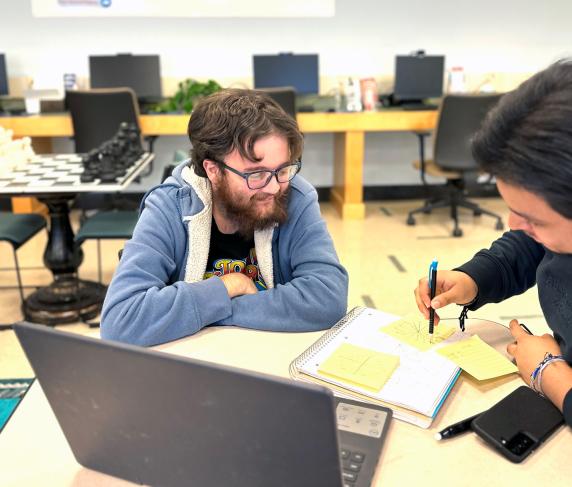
(165, 420)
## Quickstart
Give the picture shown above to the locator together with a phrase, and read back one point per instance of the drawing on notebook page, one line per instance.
(414, 389)
(360, 366)
(414, 331)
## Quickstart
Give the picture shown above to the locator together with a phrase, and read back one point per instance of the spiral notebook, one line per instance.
(414, 383)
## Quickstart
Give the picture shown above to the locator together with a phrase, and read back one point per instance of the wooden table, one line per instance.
(34, 451)
(348, 128)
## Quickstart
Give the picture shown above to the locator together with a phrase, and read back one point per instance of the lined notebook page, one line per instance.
(419, 382)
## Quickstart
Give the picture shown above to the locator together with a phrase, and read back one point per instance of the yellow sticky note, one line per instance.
(478, 358)
(415, 332)
(360, 366)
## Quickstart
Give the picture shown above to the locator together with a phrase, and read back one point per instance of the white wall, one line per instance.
(511, 38)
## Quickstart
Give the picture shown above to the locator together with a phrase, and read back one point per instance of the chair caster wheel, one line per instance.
(477, 212)
(457, 232)
(427, 211)
(499, 225)
(410, 220)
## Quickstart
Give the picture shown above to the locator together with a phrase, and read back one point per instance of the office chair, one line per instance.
(107, 225)
(17, 229)
(460, 116)
(179, 156)
(96, 115)
(284, 96)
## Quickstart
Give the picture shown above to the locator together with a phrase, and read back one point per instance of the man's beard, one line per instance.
(245, 213)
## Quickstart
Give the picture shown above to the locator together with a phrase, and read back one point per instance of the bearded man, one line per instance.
(233, 237)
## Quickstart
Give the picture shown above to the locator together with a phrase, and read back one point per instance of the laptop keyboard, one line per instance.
(351, 466)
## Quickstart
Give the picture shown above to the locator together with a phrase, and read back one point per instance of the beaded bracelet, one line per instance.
(536, 375)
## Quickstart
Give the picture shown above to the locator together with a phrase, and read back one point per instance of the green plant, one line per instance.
(186, 96)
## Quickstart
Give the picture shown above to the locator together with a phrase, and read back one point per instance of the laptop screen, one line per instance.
(160, 419)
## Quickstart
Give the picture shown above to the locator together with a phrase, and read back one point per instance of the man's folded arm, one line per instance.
(315, 298)
(142, 306)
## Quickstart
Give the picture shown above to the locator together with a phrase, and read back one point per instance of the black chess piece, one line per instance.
(90, 162)
(134, 139)
(107, 173)
(86, 176)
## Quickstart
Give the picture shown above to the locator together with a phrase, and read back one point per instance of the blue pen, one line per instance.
(432, 289)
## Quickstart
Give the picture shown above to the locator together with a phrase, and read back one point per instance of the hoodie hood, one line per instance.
(196, 213)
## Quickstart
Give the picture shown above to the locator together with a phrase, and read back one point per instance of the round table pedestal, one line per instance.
(67, 300)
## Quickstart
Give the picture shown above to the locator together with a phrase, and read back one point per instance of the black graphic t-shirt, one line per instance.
(232, 253)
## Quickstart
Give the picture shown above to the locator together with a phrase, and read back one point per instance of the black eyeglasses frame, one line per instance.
(246, 175)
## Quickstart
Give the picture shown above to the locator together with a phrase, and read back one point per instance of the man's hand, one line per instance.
(452, 287)
(529, 350)
(238, 284)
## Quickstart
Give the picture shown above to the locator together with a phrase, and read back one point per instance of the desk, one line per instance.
(34, 451)
(349, 140)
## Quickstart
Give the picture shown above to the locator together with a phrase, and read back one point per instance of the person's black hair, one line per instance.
(526, 140)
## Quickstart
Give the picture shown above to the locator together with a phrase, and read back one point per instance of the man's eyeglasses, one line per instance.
(259, 179)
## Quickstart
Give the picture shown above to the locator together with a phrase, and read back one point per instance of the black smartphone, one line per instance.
(518, 424)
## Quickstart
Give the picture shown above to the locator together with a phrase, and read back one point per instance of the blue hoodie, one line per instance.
(158, 293)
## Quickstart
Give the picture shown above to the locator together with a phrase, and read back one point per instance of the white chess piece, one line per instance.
(14, 152)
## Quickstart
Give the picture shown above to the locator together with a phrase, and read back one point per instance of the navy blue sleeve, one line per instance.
(506, 269)
(567, 408)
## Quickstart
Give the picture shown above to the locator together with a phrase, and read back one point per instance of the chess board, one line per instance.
(60, 173)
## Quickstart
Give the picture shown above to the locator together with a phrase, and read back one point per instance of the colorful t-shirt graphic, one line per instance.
(232, 253)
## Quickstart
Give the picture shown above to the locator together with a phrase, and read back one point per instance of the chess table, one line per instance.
(55, 179)
(60, 173)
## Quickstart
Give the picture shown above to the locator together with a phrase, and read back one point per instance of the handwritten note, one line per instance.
(478, 358)
(414, 330)
(360, 366)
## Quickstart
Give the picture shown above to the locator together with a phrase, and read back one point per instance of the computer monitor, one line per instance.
(3, 76)
(286, 69)
(142, 73)
(418, 77)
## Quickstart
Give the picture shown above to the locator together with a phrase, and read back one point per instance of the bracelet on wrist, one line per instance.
(536, 375)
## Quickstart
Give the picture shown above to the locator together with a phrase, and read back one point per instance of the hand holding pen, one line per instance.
(450, 287)
(432, 289)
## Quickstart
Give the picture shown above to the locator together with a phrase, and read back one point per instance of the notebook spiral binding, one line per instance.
(324, 340)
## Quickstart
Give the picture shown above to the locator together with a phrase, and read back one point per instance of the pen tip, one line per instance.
(438, 436)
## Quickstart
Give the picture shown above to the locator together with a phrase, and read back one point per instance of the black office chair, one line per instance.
(460, 116)
(179, 156)
(284, 96)
(17, 229)
(96, 116)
